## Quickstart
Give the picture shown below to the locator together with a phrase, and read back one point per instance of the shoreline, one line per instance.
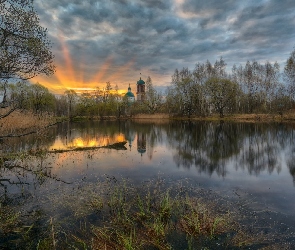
(255, 118)
(25, 123)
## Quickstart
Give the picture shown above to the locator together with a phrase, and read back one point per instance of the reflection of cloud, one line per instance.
(58, 144)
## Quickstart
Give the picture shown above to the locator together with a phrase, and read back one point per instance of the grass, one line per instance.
(23, 122)
(10, 220)
(116, 214)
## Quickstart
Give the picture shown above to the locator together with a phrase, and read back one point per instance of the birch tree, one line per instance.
(289, 74)
(222, 93)
(152, 97)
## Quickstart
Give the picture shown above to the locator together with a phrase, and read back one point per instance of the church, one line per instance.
(140, 93)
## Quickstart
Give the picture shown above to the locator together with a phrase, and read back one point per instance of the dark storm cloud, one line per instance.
(162, 35)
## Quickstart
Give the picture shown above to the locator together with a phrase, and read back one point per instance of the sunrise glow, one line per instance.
(86, 141)
(71, 75)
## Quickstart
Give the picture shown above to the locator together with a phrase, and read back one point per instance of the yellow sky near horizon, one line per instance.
(71, 75)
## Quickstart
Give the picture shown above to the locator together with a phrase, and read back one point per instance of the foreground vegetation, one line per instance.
(115, 214)
(23, 123)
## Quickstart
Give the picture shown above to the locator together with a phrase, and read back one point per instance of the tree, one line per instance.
(200, 76)
(17, 98)
(187, 92)
(238, 77)
(24, 47)
(259, 83)
(250, 75)
(152, 98)
(61, 102)
(269, 82)
(289, 73)
(221, 92)
(87, 105)
(40, 98)
(106, 101)
(107, 92)
(71, 99)
(184, 91)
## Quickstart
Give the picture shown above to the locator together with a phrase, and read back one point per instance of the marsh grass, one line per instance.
(144, 217)
(24, 122)
(10, 220)
(116, 214)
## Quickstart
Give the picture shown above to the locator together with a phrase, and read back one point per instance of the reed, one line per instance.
(23, 122)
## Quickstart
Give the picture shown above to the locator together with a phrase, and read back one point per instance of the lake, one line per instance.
(253, 163)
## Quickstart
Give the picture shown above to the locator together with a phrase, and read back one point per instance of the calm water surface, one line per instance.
(252, 161)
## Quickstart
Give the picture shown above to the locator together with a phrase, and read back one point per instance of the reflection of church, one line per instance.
(141, 142)
(141, 137)
(140, 93)
(129, 135)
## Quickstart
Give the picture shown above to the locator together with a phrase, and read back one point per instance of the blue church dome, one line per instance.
(140, 82)
(129, 93)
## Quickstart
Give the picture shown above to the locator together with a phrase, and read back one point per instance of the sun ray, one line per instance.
(102, 71)
(53, 83)
(81, 71)
(68, 60)
(67, 76)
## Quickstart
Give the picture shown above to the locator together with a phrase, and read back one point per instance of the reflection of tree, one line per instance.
(291, 157)
(207, 146)
(19, 178)
(223, 141)
(21, 174)
(291, 165)
(260, 149)
(28, 142)
(141, 143)
(211, 147)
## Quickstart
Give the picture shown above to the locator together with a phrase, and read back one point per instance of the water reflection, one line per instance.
(30, 142)
(207, 147)
(211, 147)
(258, 158)
(88, 134)
(19, 177)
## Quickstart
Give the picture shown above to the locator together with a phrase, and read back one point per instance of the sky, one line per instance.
(96, 41)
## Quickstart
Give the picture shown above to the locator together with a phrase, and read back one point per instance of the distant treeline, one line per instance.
(207, 89)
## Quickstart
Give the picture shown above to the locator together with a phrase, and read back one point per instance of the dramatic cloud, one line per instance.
(114, 40)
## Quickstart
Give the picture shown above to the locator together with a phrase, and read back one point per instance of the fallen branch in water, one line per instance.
(117, 146)
(17, 183)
